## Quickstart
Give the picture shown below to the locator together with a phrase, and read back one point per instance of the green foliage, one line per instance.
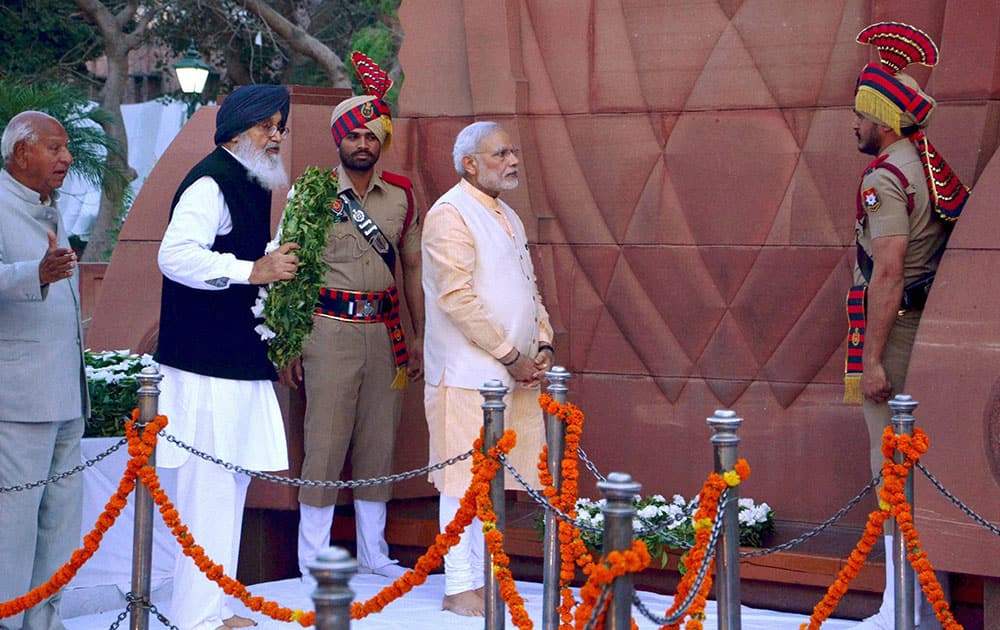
(88, 143)
(289, 305)
(114, 390)
(46, 40)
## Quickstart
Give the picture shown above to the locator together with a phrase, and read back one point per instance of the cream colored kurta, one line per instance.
(452, 264)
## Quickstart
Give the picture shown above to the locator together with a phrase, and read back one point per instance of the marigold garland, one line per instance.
(573, 552)
(604, 572)
(704, 517)
(494, 537)
(140, 448)
(484, 468)
(892, 502)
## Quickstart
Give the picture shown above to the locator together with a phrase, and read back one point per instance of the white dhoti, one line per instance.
(238, 422)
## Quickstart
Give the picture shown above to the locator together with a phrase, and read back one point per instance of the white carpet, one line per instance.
(420, 609)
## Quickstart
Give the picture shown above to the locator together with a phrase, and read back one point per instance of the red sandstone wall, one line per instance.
(690, 174)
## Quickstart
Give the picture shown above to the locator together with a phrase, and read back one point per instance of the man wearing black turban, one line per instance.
(216, 387)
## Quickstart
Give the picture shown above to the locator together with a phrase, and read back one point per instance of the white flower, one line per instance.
(258, 307)
(264, 332)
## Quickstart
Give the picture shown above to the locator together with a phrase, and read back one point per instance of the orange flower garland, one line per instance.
(605, 571)
(494, 537)
(484, 468)
(892, 503)
(140, 449)
(573, 551)
(704, 517)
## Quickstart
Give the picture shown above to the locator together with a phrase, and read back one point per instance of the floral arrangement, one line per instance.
(113, 389)
(660, 522)
(288, 306)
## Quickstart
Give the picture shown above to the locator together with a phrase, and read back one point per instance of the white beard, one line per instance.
(267, 169)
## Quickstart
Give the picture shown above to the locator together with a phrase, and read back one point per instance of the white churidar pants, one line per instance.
(463, 564)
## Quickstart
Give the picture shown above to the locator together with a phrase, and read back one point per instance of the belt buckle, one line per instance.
(369, 309)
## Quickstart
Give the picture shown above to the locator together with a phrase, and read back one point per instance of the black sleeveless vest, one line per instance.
(212, 332)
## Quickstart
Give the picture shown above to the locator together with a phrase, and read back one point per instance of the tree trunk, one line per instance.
(117, 44)
(302, 42)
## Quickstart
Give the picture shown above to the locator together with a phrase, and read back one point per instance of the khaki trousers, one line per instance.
(896, 361)
(349, 369)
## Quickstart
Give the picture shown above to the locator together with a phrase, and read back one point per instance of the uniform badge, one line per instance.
(870, 200)
(337, 206)
(367, 110)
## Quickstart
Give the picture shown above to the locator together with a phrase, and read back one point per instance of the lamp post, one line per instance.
(192, 73)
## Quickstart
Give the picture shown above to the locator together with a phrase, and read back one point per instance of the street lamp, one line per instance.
(192, 73)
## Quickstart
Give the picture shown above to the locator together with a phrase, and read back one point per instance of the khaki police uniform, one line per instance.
(349, 366)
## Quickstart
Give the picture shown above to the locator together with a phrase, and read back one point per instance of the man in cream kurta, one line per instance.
(485, 320)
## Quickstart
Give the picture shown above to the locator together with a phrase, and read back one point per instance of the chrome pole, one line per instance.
(333, 569)
(555, 438)
(142, 527)
(725, 444)
(493, 392)
(903, 596)
(619, 491)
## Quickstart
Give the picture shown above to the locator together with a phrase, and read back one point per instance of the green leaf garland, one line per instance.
(290, 304)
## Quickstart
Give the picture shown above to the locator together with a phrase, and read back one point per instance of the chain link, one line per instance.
(134, 602)
(311, 483)
(681, 612)
(968, 511)
(584, 527)
(602, 601)
(589, 464)
(757, 553)
(69, 473)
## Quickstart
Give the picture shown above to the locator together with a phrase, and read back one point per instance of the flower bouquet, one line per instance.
(288, 306)
(114, 390)
(669, 525)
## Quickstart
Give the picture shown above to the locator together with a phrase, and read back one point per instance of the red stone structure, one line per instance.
(689, 185)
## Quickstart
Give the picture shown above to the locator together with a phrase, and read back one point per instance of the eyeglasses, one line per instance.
(273, 130)
(502, 153)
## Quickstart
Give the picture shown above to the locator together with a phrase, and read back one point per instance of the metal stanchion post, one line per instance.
(619, 491)
(902, 423)
(142, 531)
(493, 392)
(555, 438)
(333, 569)
(725, 443)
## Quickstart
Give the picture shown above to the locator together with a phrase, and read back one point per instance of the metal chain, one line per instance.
(757, 553)
(68, 473)
(681, 612)
(589, 464)
(310, 483)
(968, 511)
(133, 602)
(602, 601)
(544, 501)
(584, 527)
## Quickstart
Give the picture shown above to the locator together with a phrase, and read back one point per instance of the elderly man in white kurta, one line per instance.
(485, 320)
(216, 390)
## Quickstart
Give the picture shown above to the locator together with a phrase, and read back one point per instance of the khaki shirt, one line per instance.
(354, 264)
(886, 215)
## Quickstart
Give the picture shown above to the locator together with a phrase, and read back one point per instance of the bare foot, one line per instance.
(238, 622)
(466, 603)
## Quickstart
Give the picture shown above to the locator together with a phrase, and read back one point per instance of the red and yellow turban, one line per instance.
(889, 97)
(369, 110)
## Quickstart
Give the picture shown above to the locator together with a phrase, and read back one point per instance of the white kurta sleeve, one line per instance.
(185, 254)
